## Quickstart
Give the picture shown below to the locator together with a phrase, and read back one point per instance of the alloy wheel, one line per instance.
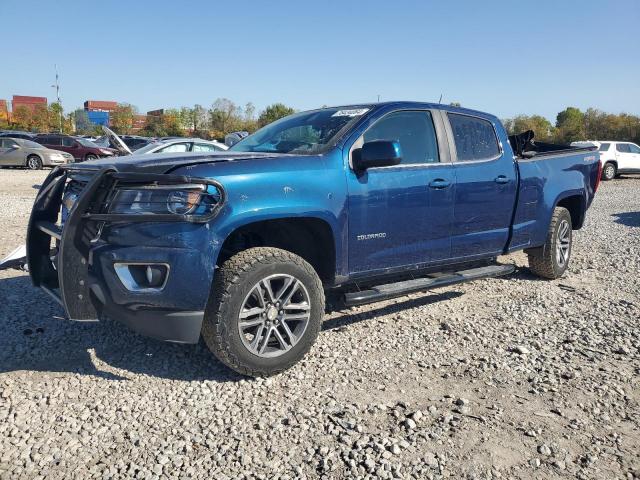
(274, 315)
(563, 243)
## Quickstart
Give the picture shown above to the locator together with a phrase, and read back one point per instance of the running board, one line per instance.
(391, 290)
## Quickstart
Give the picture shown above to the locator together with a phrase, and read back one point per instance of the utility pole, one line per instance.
(378, 98)
(57, 87)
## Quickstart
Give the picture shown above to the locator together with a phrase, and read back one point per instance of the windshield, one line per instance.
(30, 144)
(147, 148)
(305, 133)
(86, 143)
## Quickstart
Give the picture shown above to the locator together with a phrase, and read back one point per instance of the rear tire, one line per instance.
(264, 312)
(609, 171)
(34, 162)
(552, 259)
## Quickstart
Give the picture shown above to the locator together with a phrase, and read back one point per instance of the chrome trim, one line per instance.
(177, 186)
(122, 270)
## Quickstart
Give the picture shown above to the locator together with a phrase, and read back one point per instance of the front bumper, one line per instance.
(81, 274)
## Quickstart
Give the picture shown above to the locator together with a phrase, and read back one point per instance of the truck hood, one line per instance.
(167, 162)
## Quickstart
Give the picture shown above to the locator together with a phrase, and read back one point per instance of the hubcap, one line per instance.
(274, 315)
(609, 172)
(33, 163)
(563, 243)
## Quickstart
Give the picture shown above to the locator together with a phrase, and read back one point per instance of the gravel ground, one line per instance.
(503, 378)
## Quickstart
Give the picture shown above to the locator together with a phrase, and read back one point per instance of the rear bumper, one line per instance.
(82, 275)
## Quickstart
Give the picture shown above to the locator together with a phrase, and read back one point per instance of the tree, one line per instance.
(199, 119)
(56, 117)
(83, 124)
(273, 113)
(22, 118)
(570, 125)
(121, 118)
(225, 117)
(541, 127)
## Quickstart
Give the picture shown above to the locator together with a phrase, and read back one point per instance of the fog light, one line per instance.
(140, 277)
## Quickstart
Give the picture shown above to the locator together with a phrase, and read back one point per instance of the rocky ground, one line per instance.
(504, 378)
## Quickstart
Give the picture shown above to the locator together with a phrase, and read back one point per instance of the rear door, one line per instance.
(5, 157)
(401, 215)
(486, 186)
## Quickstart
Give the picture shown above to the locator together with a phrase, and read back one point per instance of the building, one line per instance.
(100, 106)
(29, 102)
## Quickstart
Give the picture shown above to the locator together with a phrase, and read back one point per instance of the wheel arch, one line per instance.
(577, 207)
(309, 237)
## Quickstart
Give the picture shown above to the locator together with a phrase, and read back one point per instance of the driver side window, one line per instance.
(413, 130)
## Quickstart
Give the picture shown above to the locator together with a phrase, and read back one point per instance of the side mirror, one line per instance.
(379, 153)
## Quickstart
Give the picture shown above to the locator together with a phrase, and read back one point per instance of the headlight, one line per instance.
(56, 156)
(192, 199)
(106, 152)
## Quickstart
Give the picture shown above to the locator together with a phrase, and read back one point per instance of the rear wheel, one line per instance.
(552, 259)
(264, 312)
(34, 162)
(609, 171)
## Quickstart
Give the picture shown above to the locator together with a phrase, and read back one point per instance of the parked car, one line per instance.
(616, 157)
(17, 134)
(363, 203)
(80, 148)
(18, 152)
(134, 142)
(178, 145)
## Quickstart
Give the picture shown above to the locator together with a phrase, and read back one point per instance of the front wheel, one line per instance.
(552, 259)
(34, 162)
(264, 311)
(91, 157)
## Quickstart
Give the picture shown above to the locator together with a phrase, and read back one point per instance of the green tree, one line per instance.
(273, 113)
(121, 118)
(541, 127)
(55, 117)
(570, 125)
(225, 117)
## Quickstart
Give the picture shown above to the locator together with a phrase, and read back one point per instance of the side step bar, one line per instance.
(391, 290)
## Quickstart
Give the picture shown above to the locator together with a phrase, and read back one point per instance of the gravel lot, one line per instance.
(504, 378)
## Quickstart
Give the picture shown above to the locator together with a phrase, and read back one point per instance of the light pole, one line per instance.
(57, 87)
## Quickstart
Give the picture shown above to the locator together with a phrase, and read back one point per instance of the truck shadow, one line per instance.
(630, 219)
(37, 337)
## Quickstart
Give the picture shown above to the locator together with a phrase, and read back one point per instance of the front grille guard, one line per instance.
(67, 279)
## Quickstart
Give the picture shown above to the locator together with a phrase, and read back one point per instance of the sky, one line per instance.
(501, 56)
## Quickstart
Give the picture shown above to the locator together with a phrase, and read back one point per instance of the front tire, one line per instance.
(552, 259)
(609, 171)
(91, 157)
(34, 162)
(264, 312)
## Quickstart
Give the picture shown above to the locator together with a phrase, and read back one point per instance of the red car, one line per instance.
(81, 148)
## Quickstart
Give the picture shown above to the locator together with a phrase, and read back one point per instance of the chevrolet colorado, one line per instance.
(362, 202)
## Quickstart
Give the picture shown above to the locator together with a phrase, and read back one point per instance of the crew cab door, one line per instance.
(401, 215)
(486, 186)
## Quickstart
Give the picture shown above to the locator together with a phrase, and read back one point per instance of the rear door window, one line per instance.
(57, 141)
(176, 147)
(475, 138)
(623, 148)
(604, 147)
(68, 142)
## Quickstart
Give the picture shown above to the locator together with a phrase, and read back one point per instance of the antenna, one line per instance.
(57, 87)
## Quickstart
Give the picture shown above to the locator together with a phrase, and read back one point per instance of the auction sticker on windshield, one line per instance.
(350, 113)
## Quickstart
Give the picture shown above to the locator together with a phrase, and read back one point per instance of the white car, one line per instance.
(616, 157)
(182, 145)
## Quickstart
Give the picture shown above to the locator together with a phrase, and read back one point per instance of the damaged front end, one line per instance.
(125, 245)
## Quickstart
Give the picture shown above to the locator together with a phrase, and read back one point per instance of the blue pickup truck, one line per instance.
(360, 203)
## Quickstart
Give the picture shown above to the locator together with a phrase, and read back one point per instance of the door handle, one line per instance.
(439, 184)
(501, 179)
